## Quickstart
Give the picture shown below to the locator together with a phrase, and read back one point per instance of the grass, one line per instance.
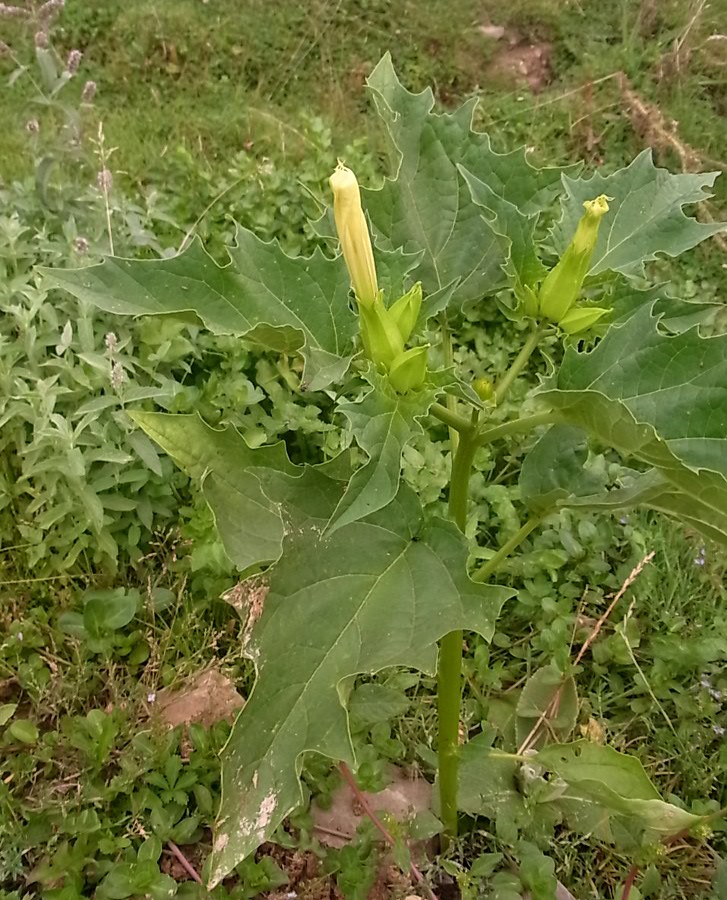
(201, 82)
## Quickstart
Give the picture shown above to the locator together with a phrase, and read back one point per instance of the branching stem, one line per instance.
(452, 419)
(492, 565)
(519, 363)
(526, 423)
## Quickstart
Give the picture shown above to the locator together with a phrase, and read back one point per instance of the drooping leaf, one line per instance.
(651, 489)
(488, 781)
(618, 783)
(646, 216)
(660, 398)
(373, 594)
(428, 206)
(383, 422)
(243, 486)
(289, 304)
(554, 470)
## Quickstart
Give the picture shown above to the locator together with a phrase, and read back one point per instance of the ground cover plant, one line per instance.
(383, 582)
(104, 607)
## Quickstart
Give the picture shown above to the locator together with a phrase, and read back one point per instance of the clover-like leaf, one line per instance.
(379, 592)
(661, 398)
(646, 214)
(428, 205)
(289, 304)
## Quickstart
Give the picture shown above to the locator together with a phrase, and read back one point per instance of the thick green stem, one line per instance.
(526, 423)
(448, 356)
(491, 566)
(453, 419)
(518, 364)
(449, 676)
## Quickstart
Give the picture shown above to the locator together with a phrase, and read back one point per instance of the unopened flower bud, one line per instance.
(41, 39)
(563, 284)
(484, 389)
(353, 233)
(405, 311)
(409, 370)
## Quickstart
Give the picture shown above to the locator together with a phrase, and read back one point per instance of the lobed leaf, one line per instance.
(289, 304)
(661, 398)
(254, 494)
(429, 205)
(383, 422)
(379, 592)
(646, 214)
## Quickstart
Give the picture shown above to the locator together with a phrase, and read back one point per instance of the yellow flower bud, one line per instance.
(353, 233)
(409, 370)
(405, 311)
(562, 285)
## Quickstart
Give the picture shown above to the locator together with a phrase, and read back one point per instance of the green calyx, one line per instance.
(409, 370)
(484, 388)
(405, 311)
(581, 319)
(380, 335)
(384, 333)
(562, 285)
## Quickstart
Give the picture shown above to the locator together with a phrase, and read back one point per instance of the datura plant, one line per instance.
(343, 571)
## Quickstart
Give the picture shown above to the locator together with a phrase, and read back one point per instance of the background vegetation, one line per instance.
(216, 111)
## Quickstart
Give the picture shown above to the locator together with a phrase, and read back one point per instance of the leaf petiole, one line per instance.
(451, 418)
(519, 363)
(491, 566)
(525, 423)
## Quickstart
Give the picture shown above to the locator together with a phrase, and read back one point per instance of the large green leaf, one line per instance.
(428, 205)
(601, 776)
(646, 217)
(254, 494)
(383, 422)
(288, 304)
(661, 398)
(376, 593)
(592, 787)
(554, 472)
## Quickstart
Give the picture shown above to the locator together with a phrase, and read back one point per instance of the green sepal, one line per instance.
(409, 370)
(528, 303)
(581, 319)
(405, 311)
(380, 336)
